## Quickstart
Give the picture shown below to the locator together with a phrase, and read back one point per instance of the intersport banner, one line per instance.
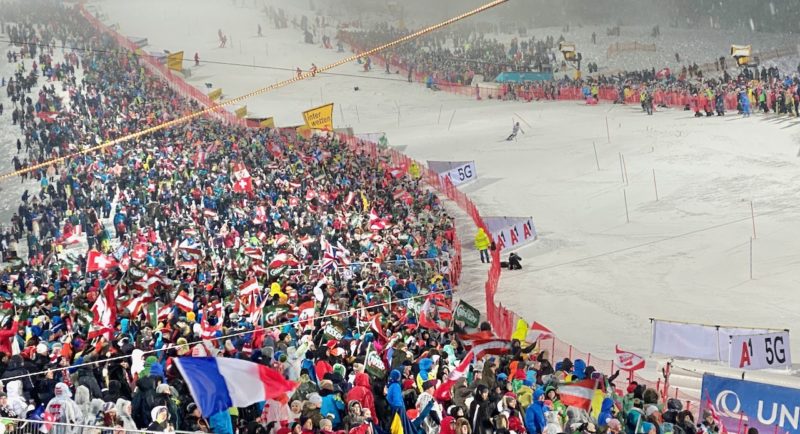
(696, 341)
(511, 232)
(459, 172)
(763, 406)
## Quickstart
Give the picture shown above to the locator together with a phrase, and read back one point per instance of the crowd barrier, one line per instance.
(502, 319)
(32, 426)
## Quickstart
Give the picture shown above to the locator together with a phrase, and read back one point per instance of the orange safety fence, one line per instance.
(502, 319)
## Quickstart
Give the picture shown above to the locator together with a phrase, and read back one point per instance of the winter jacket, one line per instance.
(5, 337)
(16, 368)
(605, 412)
(144, 399)
(394, 394)
(482, 241)
(332, 407)
(534, 416)
(362, 392)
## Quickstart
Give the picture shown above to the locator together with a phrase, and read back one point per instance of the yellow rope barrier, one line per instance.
(257, 92)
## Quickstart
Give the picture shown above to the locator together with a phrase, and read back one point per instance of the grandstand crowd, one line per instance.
(308, 254)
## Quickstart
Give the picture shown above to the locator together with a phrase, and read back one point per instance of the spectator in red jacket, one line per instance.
(7, 334)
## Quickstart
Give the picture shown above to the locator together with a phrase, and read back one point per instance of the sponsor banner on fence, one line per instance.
(696, 341)
(760, 351)
(762, 406)
(175, 61)
(459, 172)
(511, 232)
(319, 118)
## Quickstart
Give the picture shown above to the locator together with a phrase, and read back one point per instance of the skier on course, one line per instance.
(514, 132)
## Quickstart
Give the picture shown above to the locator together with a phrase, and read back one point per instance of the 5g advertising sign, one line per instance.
(761, 351)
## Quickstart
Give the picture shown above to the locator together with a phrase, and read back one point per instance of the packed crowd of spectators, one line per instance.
(453, 59)
(207, 239)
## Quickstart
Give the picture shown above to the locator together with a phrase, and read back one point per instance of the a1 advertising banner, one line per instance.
(765, 407)
(459, 172)
(319, 118)
(511, 232)
(760, 351)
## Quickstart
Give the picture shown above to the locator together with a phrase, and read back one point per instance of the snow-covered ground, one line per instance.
(592, 277)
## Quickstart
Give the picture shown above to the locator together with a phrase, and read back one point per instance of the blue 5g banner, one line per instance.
(763, 406)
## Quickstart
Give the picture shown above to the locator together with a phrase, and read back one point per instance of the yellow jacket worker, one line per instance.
(482, 243)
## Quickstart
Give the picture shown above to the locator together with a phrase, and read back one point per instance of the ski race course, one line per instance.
(598, 272)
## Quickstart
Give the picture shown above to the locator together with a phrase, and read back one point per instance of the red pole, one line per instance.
(570, 351)
(589, 359)
(739, 428)
(553, 352)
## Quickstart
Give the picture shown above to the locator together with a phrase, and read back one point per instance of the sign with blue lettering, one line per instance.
(758, 405)
(520, 77)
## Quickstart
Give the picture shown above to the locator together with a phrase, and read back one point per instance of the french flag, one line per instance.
(218, 384)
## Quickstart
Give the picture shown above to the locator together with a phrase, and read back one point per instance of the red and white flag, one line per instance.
(243, 185)
(184, 302)
(538, 331)
(496, 347)
(350, 198)
(96, 261)
(283, 259)
(248, 287)
(376, 223)
(461, 369)
(468, 340)
(375, 325)
(135, 304)
(261, 215)
(104, 314)
(578, 394)
(629, 361)
(139, 252)
(426, 321)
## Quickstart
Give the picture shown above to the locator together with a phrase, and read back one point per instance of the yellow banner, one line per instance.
(267, 123)
(215, 94)
(175, 61)
(241, 112)
(319, 118)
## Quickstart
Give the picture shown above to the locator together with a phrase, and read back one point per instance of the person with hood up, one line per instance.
(160, 416)
(124, 409)
(362, 392)
(394, 393)
(448, 425)
(83, 399)
(606, 412)
(482, 243)
(535, 421)
(332, 404)
(16, 368)
(16, 401)
(427, 371)
(354, 418)
(63, 409)
(480, 411)
(144, 399)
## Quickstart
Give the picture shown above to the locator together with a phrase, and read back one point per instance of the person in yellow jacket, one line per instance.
(482, 243)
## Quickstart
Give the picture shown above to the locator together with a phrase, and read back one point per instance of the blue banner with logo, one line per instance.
(763, 406)
(520, 77)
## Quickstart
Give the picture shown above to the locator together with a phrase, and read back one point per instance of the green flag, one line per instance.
(467, 314)
(374, 365)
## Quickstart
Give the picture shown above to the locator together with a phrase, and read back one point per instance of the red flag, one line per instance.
(496, 347)
(139, 252)
(104, 313)
(243, 185)
(461, 369)
(538, 331)
(183, 302)
(628, 360)
(375, 324)
(578, 394)
(248, 287)
(96, 261)
(468, 340)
